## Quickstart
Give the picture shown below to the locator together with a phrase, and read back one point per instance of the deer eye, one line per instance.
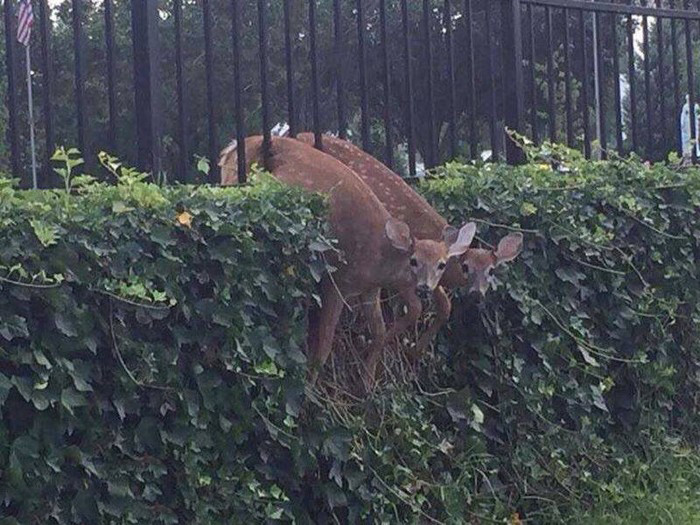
(442, 266)
(414, 262)
(465, 267)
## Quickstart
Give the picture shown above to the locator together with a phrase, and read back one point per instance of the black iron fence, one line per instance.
(415, 82)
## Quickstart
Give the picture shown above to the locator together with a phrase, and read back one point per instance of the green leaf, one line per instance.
(13, 326)
(5, 387)
(71, 398)
(203, 165)
(46, 233)
(120, 207)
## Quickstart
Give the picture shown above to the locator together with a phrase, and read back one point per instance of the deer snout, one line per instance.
(423, 291)
(476, 294)
(477, 290)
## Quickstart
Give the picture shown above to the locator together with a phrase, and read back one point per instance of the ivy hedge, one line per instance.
(152, 367)
(590, 346)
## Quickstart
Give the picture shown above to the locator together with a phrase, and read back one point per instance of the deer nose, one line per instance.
(423, 291)
(475, 295)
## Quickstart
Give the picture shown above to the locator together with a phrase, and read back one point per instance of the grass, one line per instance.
(664, 488)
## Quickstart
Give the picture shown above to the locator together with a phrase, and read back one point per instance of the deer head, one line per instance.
(430, 258)
(478, 264)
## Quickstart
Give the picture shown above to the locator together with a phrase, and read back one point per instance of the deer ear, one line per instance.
(509, 248)
(450, 234)
(399, 234)
(463, 241)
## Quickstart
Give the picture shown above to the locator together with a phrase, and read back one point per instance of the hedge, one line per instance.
(591, 343)
(151, 344)
(152, 367)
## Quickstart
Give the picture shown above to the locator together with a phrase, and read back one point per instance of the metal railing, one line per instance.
(415, 82)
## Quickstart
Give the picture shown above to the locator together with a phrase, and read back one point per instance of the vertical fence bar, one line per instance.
(691, 85)
(451, 75)
(618, 92)
(76, 13)
(405, 22)
(340, 88)
(146, 83)
(431, 151)
(533, 75)
(364, 100)
(567, 81)
(495, 150)
(181, 109)
(45, 28)
(661, 83)
(237, 92)
(209, 72)
(389, 143)
(551, 93)
(600, 95)
(632, 83)
(11, 65)
(111, 72)
(469, 21)
(265, 114)
(147, 86)
(647, 86)
(513, 76)
(289, 67)
(318, 140)
(584, 84)
(676, 79)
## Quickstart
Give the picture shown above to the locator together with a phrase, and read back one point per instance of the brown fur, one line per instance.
(358, 220)
(407, 205)
(400, 200)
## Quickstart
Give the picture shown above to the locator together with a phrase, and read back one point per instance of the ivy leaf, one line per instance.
(120, 207)
(5, 387)
(203, 165)
(46, 233)
(71, 398)
(65, 325)
(587, 357)
(41, 359)
(569, 275)
(598, 399)
(84, 507)
(13, 326)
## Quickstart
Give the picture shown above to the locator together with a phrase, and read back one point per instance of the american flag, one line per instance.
(25, 19)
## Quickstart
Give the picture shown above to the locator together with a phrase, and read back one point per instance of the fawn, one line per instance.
(379, 250)
(471, 270)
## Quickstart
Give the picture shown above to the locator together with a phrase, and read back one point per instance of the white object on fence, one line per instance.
(686, 141)
(281, 129)
(30, 96)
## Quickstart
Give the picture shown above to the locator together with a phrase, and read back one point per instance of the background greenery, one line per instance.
(151, 368)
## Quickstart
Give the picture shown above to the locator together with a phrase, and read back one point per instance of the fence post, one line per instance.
(11, 64)
(513, 76)
(147, 86)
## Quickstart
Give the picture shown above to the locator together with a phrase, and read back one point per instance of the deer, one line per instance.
(472, 270)
(379, 250)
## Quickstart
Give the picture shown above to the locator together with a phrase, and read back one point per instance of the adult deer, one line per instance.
(472, 270)
(379, 250)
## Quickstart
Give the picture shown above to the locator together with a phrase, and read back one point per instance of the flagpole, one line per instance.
(30, 102)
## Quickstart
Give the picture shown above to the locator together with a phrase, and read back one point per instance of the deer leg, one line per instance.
(443, 306)
(414, 309)
(377, 328)
(329, 315)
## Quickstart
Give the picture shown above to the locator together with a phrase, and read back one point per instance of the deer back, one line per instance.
(357, 217)
(400, 200)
